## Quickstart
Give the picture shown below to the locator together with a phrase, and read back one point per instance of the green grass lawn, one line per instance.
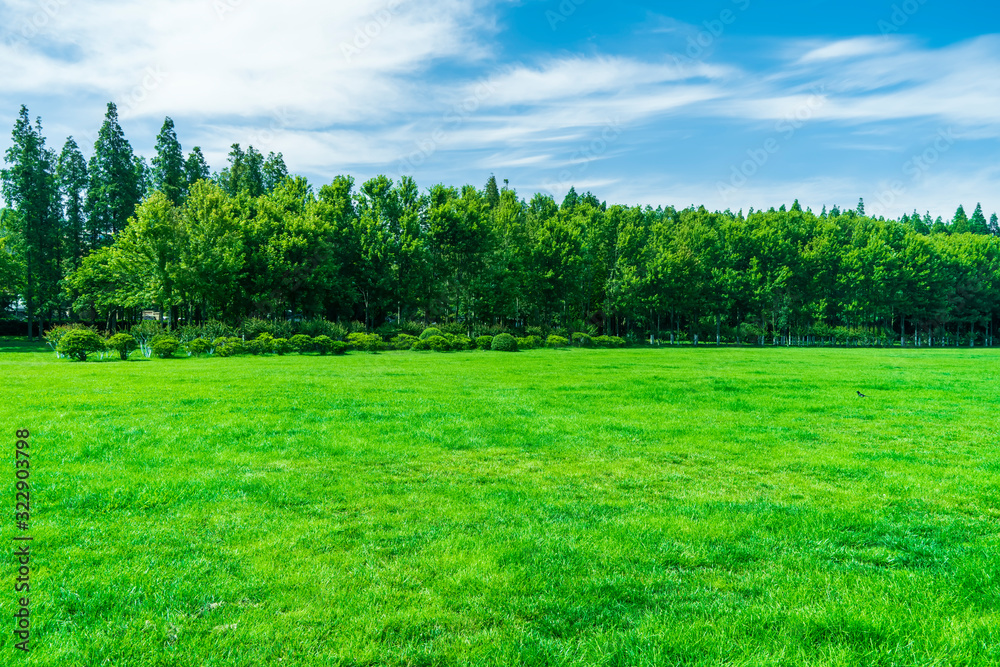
(553, 507)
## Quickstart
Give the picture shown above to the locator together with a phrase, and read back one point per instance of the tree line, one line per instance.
(102, 240)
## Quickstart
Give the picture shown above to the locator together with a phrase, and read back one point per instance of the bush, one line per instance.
(365, 342)
(327, 345)
(165, 346)
(609, 341)
(504, 343)
(403, 342)
(78, 343)
(582, 340)
(123, 344)
(301, 343)
(430, 332)
(529, 342)
(55, 334)
(229, 347)
(439, 344)
(198, 347)
(262, 344)
(316, 328)
(556, 341)
(462, 342)
(281, 346)
(484, 342)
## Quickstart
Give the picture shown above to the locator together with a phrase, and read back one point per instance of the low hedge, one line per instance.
(556, 341)
(484, 342)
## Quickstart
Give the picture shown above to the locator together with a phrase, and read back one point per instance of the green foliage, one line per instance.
(317, 327)
(582, 340)
(56, 333)
(281, 346)
(556, 341)
(261, 345)
(301, 343)
(530, 342)
(462, 342)
(403, 342)
(230, 346)
(327, 345)
(365, 342)
(439, 344)
(433, 343)
(484, 342)
(123, 344)
(165, 346)
(78, 343)
(432, 331)
(504, 343)
(609, 341)
(198, 347)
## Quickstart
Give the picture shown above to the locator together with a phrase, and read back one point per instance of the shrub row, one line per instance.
(79, 342)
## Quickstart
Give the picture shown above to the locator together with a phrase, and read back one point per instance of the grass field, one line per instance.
(570, 507)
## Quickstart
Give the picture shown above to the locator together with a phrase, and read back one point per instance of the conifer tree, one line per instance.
(960, 223)
(168, 174)
(196, 168)
(30, 188)
(115, 188)
(72, 175)
(977, 223)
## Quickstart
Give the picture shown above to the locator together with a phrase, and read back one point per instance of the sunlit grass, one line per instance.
(553, 507)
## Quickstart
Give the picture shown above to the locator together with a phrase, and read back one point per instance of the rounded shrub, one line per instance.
(78, 343)
(504, 343)
(484, 342)
(462, 342)
(432, 331)
(364, 342)
(609, 341)
(403, 342)
(229, 347)
(123, 344)
(439, 344)
(327, 345)
(165, 346)
(582, 340)
(301, 343)
(556, 341)
(281, 346)
(198, 347)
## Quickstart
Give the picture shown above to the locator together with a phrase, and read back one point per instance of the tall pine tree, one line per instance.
(72, 174)
(960, 223)
(29, 186)
(168, 174)
(115, 186)
(196, 168)
(977, 223)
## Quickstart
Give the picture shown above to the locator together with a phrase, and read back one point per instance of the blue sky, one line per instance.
(727, 103)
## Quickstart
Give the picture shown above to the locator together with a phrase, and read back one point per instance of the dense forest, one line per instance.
(104, 239)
